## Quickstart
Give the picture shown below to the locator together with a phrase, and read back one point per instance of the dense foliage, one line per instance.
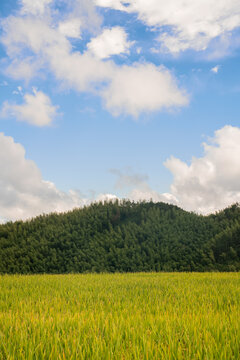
(122, 237)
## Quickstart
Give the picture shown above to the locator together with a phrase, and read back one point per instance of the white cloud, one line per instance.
(35, 7)
(124, 89)
(23, 68)
(137, 187)
(193, 23)
(111, 42)
(36, 110)
(212, 182)
(106, 197)
(114, 4)
(145, 193)
(33, 34)
(208, 184)
(215, 69)
(70, 28)
(86, 12)
(23, 192)
(141, 88)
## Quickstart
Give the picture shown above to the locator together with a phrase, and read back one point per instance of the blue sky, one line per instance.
(107, 98)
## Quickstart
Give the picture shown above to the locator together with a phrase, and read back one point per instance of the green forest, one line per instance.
(122, 237)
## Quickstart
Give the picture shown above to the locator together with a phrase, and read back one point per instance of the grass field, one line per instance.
(120, 316)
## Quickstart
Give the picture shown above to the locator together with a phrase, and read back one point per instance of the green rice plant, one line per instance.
(120, 316)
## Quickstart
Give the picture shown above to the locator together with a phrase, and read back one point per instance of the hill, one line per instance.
(122, 237)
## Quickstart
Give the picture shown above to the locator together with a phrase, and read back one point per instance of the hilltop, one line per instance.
(122, 237)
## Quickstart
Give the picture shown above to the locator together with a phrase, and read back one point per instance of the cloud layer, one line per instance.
(208, 184)
(191, 24)
(73, 48)
(212, 182)
(36, 45)
(36, 7)
(70, 28)
(23, 192)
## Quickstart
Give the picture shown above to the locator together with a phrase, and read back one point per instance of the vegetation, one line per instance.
(172, 316)
(122, 237)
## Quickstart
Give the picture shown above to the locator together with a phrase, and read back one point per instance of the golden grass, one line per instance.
(120, 316)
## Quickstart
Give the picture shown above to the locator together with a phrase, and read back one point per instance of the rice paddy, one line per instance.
(120, 316)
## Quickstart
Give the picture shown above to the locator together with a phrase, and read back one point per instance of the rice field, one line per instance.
(120, 316)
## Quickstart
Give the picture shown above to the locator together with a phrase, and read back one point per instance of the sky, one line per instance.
(106, 99)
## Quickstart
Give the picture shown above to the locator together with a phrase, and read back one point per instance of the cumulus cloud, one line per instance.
(23, 68)
(142, 88)
(125, 89)
(206, 185)
(110, 42)
(211, 182)
(23, 192)
(35, 7)
(70, 28)
(192, 23)
(114, 4)
(86, 12)
(37, 109)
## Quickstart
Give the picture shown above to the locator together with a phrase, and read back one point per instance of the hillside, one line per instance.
(122, 237)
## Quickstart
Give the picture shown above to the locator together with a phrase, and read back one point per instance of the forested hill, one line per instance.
(122, 237)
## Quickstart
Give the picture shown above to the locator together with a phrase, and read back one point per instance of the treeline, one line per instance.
(122, 237)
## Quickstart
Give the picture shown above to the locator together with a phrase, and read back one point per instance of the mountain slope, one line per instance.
(122, 237)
